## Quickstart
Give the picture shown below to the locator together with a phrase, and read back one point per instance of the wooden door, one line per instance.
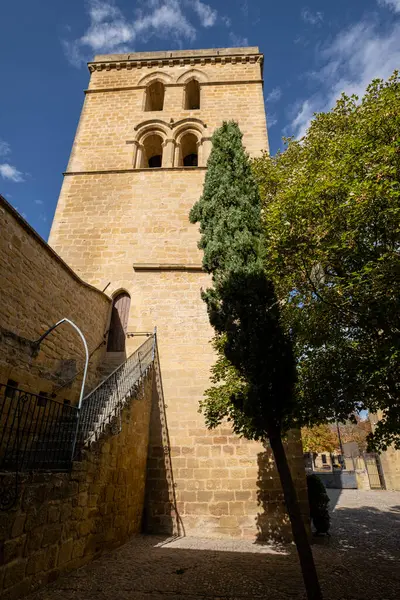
(119, 322)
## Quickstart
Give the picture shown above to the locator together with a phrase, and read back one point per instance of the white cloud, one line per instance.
(10, 172)
(392, 4)
(166, 19)
(274, 95)
(207, 15)
(4, 148)
(38, 201)
(312, 18)
(272, 120)
(110, 30)
(350, 62)
(244, 7)
(238, 40)
(101, 11)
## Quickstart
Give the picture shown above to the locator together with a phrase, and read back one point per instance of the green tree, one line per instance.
(331, 211)
(255, 372)
(320, 438)
(356, 430)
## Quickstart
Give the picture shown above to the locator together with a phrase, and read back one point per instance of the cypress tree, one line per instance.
(255, 370)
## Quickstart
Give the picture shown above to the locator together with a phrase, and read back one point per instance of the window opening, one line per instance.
(10, 388)
(189, 153)
(192, 95)
(152, 152)
(42, 400)
(155, 96)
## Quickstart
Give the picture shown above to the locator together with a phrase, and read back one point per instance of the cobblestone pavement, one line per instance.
(360, 561)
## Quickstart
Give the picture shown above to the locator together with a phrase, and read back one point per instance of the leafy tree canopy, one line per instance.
(255, 373)
(319, 438)
(331, 212)
(324, 437)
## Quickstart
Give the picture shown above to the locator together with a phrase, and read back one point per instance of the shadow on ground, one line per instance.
(357, 563)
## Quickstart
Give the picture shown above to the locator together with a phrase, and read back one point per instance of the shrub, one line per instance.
(318, 500)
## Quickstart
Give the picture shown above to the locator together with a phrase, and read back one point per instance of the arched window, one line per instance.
(192, 95)
(189, 152)
(119, 322)
(152, 151)
(155, 96)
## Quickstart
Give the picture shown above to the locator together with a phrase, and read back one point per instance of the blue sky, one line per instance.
(313, 51)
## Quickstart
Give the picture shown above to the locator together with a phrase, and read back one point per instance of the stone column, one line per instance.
(206, 145)
(177, 155)
(200, 151)
(168, 153)
(138, 151)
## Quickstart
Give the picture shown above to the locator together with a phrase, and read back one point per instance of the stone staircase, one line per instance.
(53, 439)
(105, 402)
(111, 362)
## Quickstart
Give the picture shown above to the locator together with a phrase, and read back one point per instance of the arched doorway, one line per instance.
(119, 322)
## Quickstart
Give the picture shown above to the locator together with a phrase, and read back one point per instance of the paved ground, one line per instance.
(360, 561)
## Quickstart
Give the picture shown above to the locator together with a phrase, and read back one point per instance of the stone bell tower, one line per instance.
(137, 166)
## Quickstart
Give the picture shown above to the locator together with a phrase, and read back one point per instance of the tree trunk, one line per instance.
(300, 536)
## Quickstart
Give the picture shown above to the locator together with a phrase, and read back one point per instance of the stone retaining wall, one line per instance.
(38, 289)
(64, 520)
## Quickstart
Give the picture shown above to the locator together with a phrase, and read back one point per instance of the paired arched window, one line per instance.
(168, 145)
(155, 93)
(192, 95)
(152, 151)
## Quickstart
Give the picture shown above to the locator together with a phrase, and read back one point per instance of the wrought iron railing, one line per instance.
(105, 402)
(36, 432)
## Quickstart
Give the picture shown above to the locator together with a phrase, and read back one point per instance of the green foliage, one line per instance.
(319, 438)
(318, 501)
(254, 375)
(324, 437)
(331, 211)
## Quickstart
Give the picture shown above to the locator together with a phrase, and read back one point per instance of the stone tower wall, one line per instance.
(128, 226)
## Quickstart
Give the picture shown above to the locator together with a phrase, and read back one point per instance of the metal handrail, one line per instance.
(108, 398)
(36, 432)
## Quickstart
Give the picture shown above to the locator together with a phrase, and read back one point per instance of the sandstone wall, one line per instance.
(390, 461)
(37, 290)
(64, 520)
(130, 227)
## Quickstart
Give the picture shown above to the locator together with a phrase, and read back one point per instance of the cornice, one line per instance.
(182, 61)
(140, 170)
(168, 267)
